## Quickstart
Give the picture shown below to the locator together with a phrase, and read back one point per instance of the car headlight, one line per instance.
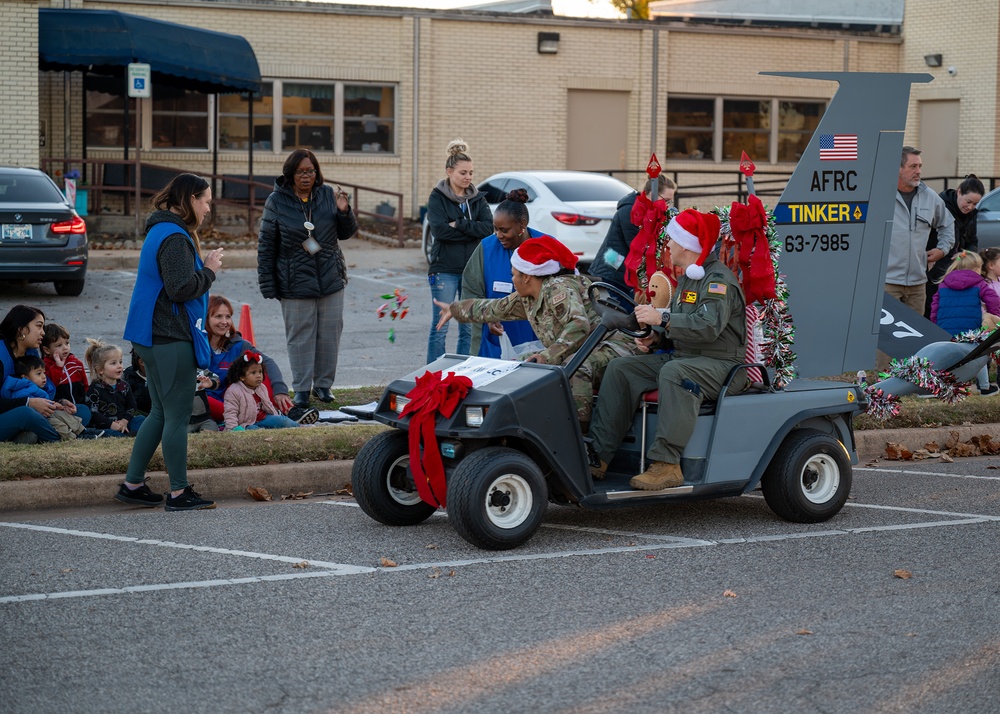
(474, 416)
(397, 402)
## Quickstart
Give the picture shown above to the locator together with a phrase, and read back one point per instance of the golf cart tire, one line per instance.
(809, 478)
(497, 498)
(381, 484)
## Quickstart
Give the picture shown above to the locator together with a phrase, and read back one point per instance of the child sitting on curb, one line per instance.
(29, 383)
(65, 371)
(247, 404)
(111, 402)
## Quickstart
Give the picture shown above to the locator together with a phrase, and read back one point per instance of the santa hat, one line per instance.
(543, 256)
(697, 232)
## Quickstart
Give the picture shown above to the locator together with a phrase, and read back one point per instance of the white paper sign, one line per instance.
(483, 370)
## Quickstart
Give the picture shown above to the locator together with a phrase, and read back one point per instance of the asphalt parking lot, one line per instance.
(703, 607)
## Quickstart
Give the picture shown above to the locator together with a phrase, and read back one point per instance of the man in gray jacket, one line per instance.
(918, 210)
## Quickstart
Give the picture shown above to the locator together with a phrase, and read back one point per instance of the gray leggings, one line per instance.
(170, 376)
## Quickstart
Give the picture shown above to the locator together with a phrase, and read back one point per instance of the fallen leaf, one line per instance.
(301, 564)
(297, 496)
(650, 557)
(903, 574)
(804, 631)
(897, 452)
(434, 574)
(729, 593)
(258, 493)
(345, 491)
(431, 546)
(451, 573)
(946, 459)
(67, 570)
(932, 446)
(388, 563)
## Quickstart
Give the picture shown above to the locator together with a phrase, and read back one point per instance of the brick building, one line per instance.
(379, 92)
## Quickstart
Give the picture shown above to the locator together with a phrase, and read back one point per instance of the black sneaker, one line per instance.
(141, 496)
(990, 391)
(303, 416)
(91, 434)
(187, 501)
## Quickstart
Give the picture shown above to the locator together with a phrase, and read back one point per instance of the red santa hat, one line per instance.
(543, 256)
(697, 232)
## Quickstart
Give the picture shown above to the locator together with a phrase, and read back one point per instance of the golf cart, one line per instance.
(514, 444)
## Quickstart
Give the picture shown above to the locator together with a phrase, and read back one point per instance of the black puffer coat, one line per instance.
(284, 268)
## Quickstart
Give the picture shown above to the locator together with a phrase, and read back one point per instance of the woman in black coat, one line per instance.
(300, 263)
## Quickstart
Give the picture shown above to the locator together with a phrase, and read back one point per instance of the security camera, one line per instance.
(953, 70)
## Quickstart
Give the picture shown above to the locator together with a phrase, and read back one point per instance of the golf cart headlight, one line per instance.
(397, 402)
(474, 416)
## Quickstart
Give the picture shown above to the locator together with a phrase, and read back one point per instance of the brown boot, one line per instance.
(598, 472)
(658, 476)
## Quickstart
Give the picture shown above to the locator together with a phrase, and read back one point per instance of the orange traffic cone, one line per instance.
(246, 325)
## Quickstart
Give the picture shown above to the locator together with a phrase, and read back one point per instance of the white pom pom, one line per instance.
(695, 271)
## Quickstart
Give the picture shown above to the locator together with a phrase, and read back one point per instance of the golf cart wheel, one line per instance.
(382, 484)
(809, 478)
(496, 498)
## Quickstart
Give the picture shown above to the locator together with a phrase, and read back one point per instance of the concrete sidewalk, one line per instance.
(325, 477)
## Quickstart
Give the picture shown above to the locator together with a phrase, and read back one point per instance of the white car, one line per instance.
(576, 207)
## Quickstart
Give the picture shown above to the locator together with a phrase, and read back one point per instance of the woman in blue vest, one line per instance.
(488, 275)
(165, 325)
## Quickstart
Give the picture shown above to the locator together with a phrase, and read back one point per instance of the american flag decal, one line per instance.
(838, 147)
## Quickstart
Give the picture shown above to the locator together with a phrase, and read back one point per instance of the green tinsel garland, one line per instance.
(779, 331)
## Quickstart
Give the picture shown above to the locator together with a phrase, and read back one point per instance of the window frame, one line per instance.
(774, 132)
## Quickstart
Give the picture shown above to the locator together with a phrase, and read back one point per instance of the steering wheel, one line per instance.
(609, 303)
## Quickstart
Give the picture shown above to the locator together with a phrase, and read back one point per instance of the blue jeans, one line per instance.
(446, 287)
(274, 421)
(18, 419)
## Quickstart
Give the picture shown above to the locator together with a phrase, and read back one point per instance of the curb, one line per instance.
(329, 476)
(870, 443)
(278, 479)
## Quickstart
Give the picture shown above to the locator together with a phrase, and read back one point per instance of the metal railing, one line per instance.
(120, 180)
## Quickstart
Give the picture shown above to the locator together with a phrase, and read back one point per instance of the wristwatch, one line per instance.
(664, 318)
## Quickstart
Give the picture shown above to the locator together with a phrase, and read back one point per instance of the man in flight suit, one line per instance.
(707, 324)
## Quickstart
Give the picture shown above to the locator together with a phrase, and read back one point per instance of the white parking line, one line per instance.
(330, 569)
(927, 473)
(338, 568)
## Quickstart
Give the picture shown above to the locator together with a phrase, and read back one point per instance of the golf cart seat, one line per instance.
(650, 401)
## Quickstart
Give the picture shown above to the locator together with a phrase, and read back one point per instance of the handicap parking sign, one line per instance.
(139, 84)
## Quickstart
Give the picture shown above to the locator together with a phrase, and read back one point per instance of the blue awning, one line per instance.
(106, 41)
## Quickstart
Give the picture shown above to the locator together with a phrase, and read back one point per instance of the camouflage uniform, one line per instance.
(708, 329)
(561, 317)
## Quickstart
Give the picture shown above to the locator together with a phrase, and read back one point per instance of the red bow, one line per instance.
(752, 253)
(433, 394)
(648, 215)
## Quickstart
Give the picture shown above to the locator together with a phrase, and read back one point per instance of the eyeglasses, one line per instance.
(306, 172)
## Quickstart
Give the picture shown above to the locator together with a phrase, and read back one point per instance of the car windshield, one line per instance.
(590, 189)
(25, 189)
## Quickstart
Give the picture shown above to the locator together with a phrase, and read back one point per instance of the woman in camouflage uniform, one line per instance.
(552, 296)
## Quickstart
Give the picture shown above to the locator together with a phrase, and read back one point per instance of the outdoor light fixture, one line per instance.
(933, 60)
(548, 43)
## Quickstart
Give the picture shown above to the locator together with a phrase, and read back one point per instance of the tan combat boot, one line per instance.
(658, 476)
(597, 472)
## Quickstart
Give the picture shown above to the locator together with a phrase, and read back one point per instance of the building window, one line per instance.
(722, 128)
(369, 119)
(690, 128)
(233, 119)
(796, 123)
(746, 126)
(106, 102)
(307, 116)
(180, 119)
